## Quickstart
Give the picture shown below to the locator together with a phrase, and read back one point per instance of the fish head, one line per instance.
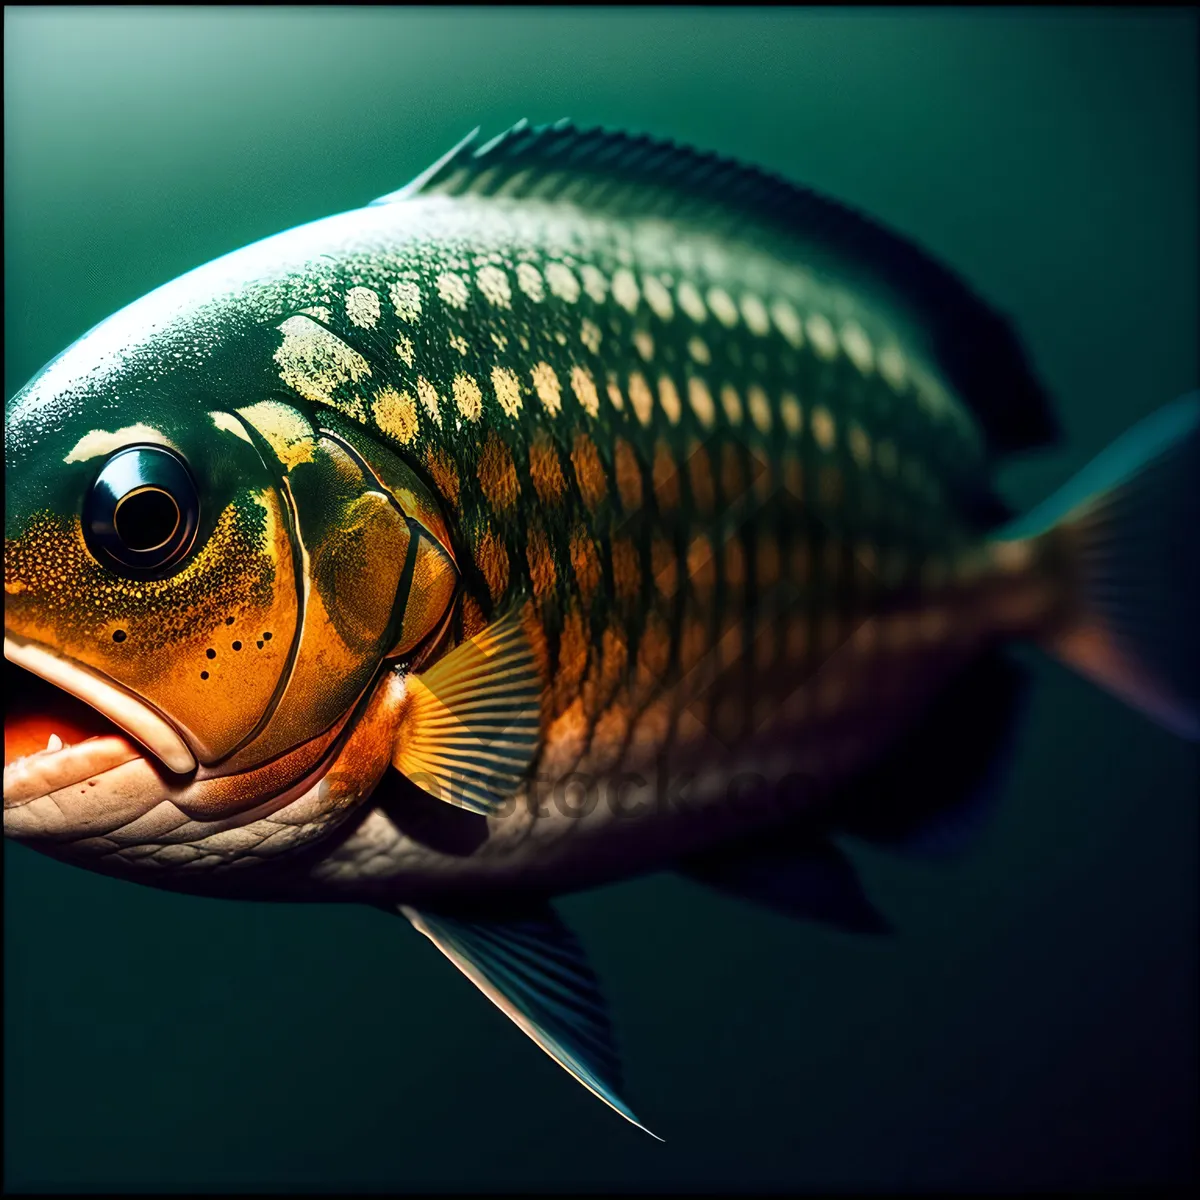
(211, 593)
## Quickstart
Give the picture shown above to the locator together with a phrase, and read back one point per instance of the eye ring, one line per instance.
(141, 513)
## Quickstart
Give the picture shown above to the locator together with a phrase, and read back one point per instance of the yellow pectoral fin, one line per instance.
(470, 729)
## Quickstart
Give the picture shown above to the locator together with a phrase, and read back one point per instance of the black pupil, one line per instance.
(146, 519)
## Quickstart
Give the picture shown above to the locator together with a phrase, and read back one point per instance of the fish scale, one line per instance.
(641, 383)
(590, 505)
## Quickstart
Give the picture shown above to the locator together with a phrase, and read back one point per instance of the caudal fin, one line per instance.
(1129, 530)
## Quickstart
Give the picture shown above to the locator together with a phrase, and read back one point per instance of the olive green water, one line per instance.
(1033, 1023)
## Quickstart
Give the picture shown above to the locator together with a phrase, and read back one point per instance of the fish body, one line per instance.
(588, 506)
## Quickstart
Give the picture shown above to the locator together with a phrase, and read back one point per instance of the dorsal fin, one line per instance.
(645, 176)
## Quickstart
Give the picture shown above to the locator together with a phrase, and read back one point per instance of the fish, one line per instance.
(590, 506)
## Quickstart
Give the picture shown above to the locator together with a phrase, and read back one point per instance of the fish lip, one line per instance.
(38, 775)
(123, 709)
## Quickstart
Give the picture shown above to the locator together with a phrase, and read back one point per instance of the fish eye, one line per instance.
(141, 512)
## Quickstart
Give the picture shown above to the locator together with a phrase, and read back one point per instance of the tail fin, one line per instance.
(1130, 526)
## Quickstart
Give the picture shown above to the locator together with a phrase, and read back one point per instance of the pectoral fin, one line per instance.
(534, 970)
(470, 728)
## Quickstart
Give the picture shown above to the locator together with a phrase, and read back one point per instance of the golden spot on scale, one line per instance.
(892, 366)
(644, 343)
(858, 347)
(701, 478)
(691, 303)
(664, 474)
(589, 471)
(584, 388)
(698, 349)
(722, 307)
(545, 383)
(760, 408)
(499, 341)
(754, 313)
(406, 300)
(545, 470)
(860, 445)
(589, 335)
(701, 401)
(594, 283)
(498, 474)
(429, 398)
(657, 297)
(626, 568)
(404, 348)
(625, 290)
(701, 567)
(668, 399)
(444, 474)
(473, 619)
(729, 649)
(529, 280)
(362, 307)
(788, 323)
(452, 289)
(731, 402)
(492, 560)
(459, 343)
(820, 333)
(468, 397)
(508, 390)
(614, 394)
(629, 475)
(396, 414)
(823, 428)
(542, 572)
(493, 283)
(585, 563)
(664, 566)
(792, 414)
(562, 282)
(641, 398)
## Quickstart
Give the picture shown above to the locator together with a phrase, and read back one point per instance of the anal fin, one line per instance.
(794, 873)
(534, 970)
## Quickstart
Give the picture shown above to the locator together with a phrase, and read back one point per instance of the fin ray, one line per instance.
(534, 970)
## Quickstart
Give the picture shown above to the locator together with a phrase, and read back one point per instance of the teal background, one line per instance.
(1033, 1024)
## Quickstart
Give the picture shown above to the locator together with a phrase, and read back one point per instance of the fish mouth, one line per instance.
(64, 724)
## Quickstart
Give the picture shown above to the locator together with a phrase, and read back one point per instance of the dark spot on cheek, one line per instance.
(203, 674)
(237, 645)
(260, 645)
(228, 620)
(91, 783)
(210, 653)
(266, 637)
(119, 635)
